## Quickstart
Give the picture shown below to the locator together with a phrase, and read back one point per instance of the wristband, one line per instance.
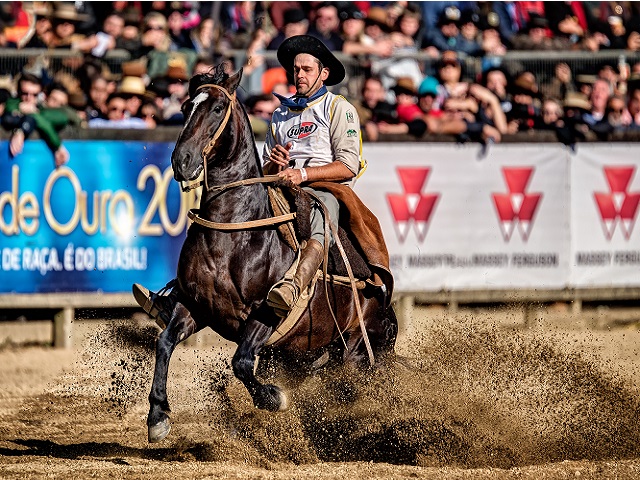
(303, 173)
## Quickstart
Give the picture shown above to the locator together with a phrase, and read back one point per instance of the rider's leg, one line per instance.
(285, 293)
(157, 305)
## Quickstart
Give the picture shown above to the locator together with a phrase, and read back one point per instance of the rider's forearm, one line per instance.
(332, 172)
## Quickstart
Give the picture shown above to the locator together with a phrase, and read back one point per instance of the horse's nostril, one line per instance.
(186, 160)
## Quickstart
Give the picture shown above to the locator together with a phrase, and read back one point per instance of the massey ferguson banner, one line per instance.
(454, 217)
(534, 216)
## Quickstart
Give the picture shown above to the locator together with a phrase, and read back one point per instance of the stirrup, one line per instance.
(276, 301)
(152, 303)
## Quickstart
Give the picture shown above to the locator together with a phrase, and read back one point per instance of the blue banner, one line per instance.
(111, 217)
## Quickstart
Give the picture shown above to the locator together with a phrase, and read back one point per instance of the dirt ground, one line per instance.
(473, 401)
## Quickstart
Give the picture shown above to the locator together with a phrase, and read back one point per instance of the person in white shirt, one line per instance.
(313, 136)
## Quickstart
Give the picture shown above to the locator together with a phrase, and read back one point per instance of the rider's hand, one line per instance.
(292, 174)
(280, 154)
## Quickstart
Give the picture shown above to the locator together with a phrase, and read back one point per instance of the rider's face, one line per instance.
(307, 74)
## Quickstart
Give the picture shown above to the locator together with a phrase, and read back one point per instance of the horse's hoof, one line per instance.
(283, 399)
(272, 399)
(159, 431)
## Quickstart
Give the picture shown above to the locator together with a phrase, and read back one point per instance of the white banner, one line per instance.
(456, 220)
(605, 198)
(516, 216)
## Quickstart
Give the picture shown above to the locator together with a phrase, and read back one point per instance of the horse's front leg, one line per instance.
(181, 326)
(267, 397)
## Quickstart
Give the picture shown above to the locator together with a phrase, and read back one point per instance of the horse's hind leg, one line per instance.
(267, 397)
(181, 326)
(382, 331)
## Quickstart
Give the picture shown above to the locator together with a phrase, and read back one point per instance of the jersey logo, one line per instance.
(303, 130)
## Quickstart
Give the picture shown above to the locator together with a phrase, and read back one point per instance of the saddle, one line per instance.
(359, 233)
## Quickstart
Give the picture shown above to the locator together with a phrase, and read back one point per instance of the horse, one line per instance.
(224, 275)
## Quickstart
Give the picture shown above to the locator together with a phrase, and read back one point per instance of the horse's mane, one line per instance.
(216, 75)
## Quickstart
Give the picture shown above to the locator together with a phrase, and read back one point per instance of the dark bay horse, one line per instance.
(224, 275)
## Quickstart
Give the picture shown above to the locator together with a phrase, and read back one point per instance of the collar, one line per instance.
(298, 103)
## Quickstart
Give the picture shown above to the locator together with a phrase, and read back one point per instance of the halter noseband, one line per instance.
(208, 148)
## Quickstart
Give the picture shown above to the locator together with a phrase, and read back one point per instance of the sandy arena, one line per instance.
(475, 402)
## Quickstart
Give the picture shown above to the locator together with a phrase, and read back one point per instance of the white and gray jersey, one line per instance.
(327, 130)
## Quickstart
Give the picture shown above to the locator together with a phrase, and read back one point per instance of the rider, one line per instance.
(313, 136)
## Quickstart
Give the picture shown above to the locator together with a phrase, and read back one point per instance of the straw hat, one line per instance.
(577, 100)
(134, 86)
(67, 11)
(405, 85)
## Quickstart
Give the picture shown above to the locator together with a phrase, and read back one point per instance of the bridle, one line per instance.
(208, 148)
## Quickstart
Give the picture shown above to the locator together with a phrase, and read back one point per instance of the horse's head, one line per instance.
(207, 112)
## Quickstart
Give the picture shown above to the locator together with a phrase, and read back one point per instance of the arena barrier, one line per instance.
(513, 222)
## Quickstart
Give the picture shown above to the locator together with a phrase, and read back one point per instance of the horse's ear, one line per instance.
(233, 81)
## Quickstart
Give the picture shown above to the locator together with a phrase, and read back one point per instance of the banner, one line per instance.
(111, 217)
(456, 217)
(605, 200)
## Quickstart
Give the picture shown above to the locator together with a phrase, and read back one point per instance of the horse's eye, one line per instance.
(217, 109)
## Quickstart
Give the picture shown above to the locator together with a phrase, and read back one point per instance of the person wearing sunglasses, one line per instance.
(116, 118)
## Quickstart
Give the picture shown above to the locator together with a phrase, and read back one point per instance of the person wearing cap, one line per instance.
(469, 33)
(116, 115)
(313, 136)
(447, 34)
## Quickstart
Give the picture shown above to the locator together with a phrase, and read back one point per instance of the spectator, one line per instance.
(375, 25)
(551, 113)
(42, 34)
(134, 92)
(534, 36)
(107, 38)
(326, 25)
(527, 101)
(64, 20)
(491, 42)
(56, 96)
(175, 95)
(130, 39)
(203, 37)
(561, 83)
(98, 93)
(572, 127)
(570, 20)
(116, 118)
(180, 34)
(159, 48)
(406, 106)
(240, 23)
(617, 116)
(150, 113)
(355, 40)
(261, 108)
(633, 103)
(447, 34)
(599, 98)
(469, 33)
(25, 114)
(295, 23)
(373, 107)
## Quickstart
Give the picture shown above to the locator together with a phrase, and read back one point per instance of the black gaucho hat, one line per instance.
(298, 44)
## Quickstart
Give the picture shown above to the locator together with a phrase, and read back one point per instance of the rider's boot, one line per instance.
(156, 305)
(283, 295)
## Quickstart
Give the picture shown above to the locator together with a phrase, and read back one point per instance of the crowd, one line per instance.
(168, 42)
